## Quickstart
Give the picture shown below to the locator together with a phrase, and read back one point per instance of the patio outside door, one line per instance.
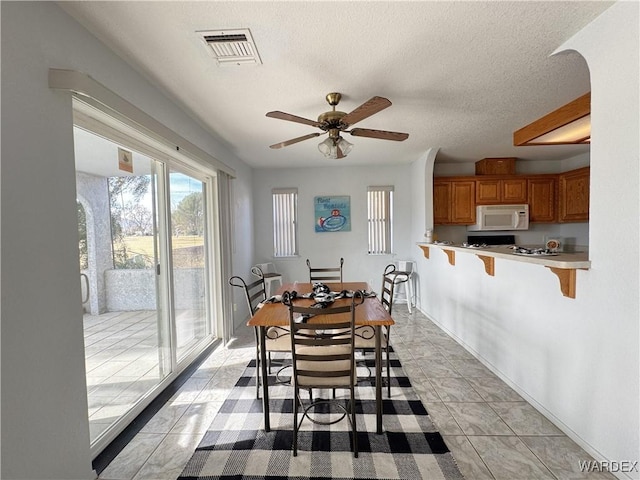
(144, 259)
(125, 327)
(188, 240)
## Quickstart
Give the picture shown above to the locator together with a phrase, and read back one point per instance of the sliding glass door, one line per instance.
(188, 240)
(145, 266)
(125, 324)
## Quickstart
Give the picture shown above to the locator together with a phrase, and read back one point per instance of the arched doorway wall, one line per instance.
(93, 195)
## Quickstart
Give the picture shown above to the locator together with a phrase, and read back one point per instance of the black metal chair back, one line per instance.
(387, 290)
(254, 292)
(325, 274)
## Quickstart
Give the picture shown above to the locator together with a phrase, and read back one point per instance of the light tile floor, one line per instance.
(492, 432)
(122, 360)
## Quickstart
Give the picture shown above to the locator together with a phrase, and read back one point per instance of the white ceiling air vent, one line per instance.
(231, 47)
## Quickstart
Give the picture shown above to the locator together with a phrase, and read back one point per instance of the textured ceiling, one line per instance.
(462, 76)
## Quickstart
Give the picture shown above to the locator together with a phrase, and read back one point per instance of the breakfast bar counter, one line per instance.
(563, 265)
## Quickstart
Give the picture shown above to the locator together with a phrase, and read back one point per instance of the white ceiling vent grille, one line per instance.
(231, 47)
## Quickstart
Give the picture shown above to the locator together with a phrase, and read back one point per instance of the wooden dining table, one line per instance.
(371, 313)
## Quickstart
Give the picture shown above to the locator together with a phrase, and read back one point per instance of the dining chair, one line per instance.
(322, 349)
(277, 338)
(365, 338)
(269, 273)
(325, 274)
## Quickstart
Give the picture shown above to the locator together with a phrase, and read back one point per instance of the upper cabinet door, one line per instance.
(574, 195)
(505, 191)
(463, 202)
(487, 191)
(542, 199)
(441, 202)
(454, 202)
(514, 190)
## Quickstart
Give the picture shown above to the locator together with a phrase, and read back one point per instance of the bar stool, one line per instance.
(404, 283)
(269, 273)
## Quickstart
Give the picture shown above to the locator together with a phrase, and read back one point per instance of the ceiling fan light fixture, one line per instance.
(329, 147)
(344, 146)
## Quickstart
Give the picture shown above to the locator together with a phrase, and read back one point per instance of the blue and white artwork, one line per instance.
(333, 214)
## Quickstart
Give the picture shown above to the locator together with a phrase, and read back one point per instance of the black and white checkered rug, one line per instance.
(237, 447)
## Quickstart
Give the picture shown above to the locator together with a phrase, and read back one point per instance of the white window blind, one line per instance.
(285, 219)
(379, 213)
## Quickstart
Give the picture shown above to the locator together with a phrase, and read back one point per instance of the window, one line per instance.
(379, 215)
(285, 218)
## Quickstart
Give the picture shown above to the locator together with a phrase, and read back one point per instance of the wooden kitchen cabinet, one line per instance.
(441, 202)
(496, 166)
(573, 192)
(542, 198)
(454, 202)
(552, 198)
(501, 191)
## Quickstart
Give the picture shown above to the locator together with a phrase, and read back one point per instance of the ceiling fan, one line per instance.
(336, 123)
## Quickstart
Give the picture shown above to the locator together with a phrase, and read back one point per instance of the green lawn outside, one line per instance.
(144, 244)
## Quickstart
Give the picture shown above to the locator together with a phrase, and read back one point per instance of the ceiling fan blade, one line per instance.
(368, 108)
(292, 118)
(294, 140)
(382, 134)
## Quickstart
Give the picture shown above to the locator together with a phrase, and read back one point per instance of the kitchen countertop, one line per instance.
(572, 260)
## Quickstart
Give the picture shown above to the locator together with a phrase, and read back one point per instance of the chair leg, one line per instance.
(257, 374)
(388, 372)
(295, 421)
(388, 364)
(353, 422)
(411, 293)
(256, 331)
(258, 377)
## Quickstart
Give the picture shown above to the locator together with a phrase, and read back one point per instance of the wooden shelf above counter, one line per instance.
(564, 265)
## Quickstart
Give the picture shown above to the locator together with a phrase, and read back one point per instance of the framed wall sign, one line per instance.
(332, 213)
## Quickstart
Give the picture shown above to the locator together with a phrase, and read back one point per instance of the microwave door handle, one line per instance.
(516, 219)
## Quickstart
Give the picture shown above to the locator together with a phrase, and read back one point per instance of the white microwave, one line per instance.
(501, 217)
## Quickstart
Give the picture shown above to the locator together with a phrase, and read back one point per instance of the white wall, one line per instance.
(45, 431)
(577, 360)
(327, 248)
